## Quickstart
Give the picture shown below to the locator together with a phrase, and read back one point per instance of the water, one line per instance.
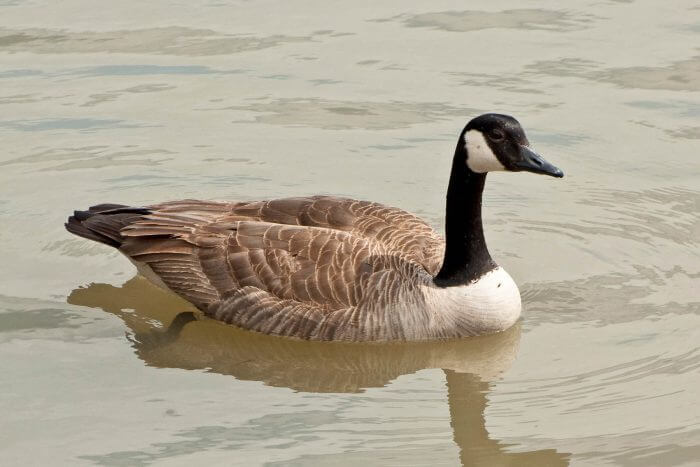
(137, 102)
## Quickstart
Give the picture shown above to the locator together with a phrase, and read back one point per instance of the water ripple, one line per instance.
(470, 20)
(172, 40)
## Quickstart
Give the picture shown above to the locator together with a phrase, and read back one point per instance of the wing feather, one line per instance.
(304, 267)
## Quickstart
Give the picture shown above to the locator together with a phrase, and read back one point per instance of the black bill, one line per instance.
(530, 161)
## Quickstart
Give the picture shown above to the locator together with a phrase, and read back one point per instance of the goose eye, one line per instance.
(496, 135)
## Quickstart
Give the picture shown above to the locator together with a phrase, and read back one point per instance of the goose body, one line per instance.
(329, 268)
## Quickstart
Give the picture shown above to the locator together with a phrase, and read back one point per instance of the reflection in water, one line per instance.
(165, 339)
(466, 395)
(190, 341)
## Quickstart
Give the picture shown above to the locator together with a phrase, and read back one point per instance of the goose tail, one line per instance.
(103, 223)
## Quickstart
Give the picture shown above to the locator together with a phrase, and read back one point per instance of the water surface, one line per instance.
(137, 102)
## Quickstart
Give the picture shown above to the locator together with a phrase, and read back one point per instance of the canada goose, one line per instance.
(328, 268)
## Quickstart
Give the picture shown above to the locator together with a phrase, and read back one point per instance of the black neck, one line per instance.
(466, 255)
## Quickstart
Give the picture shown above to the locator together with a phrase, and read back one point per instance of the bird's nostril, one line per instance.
(538, 162)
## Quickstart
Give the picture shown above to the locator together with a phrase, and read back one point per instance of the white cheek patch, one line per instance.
(480, 158)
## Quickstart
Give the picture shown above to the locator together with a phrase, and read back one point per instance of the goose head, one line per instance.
(495, 142)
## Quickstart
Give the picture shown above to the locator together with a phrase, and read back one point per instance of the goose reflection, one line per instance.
(166, 339)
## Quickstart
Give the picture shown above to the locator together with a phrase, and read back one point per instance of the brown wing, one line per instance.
(295, 266)
(399, 231)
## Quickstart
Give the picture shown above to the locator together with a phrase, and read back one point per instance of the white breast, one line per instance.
(489, 304)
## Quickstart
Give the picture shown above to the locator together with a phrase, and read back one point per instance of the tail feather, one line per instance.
(102, 223)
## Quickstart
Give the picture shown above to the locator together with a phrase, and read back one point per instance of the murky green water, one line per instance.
(136, 102)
